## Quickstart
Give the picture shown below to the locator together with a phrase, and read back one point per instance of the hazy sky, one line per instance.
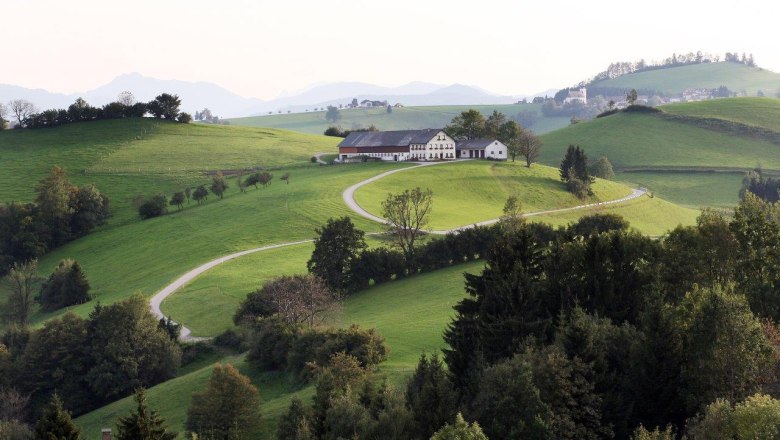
(261, 48)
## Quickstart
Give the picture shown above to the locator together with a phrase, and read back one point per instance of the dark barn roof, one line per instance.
(474, 144)
(400, 138)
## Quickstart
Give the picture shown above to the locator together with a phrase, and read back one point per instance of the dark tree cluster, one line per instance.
(338, 132)
(762, 186)
(66, 286)
(595, 330)
(90, 362)
(575, 172)
(60, 213)
(164, 106)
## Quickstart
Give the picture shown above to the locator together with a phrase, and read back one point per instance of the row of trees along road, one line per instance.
(164, 106)
(472, 124)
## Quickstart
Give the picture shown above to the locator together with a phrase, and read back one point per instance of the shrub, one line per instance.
(230, 339)
(154, 207)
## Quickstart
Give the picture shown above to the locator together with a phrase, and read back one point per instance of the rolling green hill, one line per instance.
(400, 119)
(693, 154)
(756, 112)
(673, 81)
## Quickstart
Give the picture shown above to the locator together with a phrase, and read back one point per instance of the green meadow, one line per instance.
(737, 77)
(756, 112)
(693, 190)
(403, 118)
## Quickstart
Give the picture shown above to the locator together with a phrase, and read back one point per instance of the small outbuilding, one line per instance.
(481, 149)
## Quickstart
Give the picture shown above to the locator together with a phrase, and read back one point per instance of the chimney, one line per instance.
(106, 434)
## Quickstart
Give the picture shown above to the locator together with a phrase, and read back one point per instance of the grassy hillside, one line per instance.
(128, 157)
(757, 112)
(411, 322)
(649, 140)
(469, 192)
(673, 81)
(400, 119)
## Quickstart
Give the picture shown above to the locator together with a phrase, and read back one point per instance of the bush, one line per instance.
(184, 118)
(191, 353)
(270, 340)
(155, 207)
(229, 339)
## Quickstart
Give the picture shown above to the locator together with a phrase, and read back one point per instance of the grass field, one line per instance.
(647, 140)
(404, 118)
(128, 157)
(736, 77)
(757, 112)
(693, 190)
(468, 192)
(146, 255)
(411, 314)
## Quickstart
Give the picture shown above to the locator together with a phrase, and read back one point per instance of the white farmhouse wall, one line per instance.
(496, 150)
(442, 146)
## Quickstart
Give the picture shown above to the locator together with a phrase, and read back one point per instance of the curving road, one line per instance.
(349, 198)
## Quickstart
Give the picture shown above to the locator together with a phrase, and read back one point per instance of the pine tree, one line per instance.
(55, 423)
(143, 424)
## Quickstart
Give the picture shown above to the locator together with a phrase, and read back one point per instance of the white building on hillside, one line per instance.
(580, 95)
(482, 149)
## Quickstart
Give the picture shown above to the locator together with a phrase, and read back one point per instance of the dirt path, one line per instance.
(349, 198)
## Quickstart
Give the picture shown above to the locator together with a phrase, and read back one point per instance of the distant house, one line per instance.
(426, 144)
(580, 95)
(481, 149)
(370, 103)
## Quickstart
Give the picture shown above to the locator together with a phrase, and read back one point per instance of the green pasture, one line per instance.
(468, 192)
(757, 112)
(403, 118)
(693, 190)
(673, 81)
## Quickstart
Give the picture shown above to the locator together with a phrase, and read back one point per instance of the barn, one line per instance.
(399, 145)
(481, 149)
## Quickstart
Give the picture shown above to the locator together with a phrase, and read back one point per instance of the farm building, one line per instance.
(481, 149)
(426, 144)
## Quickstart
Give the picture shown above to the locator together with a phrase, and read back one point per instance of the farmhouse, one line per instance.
(426, 144)
(481, 149)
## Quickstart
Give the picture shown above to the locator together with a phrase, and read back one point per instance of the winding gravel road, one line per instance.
(349, 198)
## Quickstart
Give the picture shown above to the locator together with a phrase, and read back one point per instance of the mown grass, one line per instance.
(411, 314)
(647, 140)
(692, 190)
(404, 118)
(146, 255)
(736, 77)
(756, 112)
(468, 192)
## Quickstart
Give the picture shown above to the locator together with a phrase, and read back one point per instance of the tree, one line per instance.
(228, 408)
(529, 146)
(55, 422)
(300, 299)
(53, 196)
(509, 133)
(430, 396)
(165, 106)
(188, 194)
(407, 214)
(389, 109)
(184, 118)
(494, 124)
(294, 424)
(143, 424)
(631, 97)
(3, 115)
(468, 125)
(178, 199)
(154, 207)
(67, 285)
(286, 178)
(200, 194)
(513, 214)
(20, 279)
(574, 171)
(22, 110)
(461, 430)
(333, 114)
(264, 178)
(337, 245)
(126, 98)
(89, 208)
(602, 169)
(219, 184)
(642, 433)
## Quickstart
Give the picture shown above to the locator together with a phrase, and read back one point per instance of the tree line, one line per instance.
(471, 124)
(164, 106)
(157, 204)
(60, 212)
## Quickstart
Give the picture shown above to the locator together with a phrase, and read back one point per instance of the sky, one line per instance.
(262, 48)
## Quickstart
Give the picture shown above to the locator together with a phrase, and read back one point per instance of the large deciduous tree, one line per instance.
(21, 279)
(337, 245)
(407, 215)
(165, 106)
(493, 125)
(228, 408)
(468, 125)
(529, 146)
(333, 114)
(219, 184)
(22, 109)
(300, 299)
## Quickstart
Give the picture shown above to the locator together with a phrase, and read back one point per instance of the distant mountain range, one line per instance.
(225, 104)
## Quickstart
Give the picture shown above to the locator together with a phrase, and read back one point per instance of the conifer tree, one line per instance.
(143, 424)
(55, 423)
